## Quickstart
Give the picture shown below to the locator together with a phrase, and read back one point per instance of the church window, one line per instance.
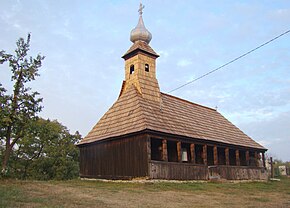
(132, 69)
(147, 67)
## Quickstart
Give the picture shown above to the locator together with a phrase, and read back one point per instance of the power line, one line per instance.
(235, 59)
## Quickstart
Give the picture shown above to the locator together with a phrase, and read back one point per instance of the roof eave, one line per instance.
(150, 131)
(136, 51)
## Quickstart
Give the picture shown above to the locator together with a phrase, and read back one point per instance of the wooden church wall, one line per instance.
(116, 159)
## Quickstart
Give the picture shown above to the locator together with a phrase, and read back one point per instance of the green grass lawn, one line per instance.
(83, 193)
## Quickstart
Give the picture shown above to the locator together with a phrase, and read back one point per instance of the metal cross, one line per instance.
(141, 7)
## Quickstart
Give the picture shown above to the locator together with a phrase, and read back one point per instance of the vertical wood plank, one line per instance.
(148, 147)
(256, 159)
(248, 157)
(227, 156)
(179, 151)
(238, 158)
(263, 158)
(215, 155)
(164, 150)
(204, 154)
(192, 153)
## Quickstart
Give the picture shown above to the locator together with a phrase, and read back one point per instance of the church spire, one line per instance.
(140, 63)
(140, 33)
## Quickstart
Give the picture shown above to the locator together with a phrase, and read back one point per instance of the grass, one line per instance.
(82, 193)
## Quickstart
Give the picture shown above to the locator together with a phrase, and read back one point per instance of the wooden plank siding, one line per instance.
(177, 171)
(135, 157)
(242, 173)
(116, 159)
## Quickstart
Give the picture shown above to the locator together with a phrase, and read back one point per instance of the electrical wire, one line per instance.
(233, 60)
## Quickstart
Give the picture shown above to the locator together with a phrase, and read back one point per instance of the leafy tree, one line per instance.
(46, 152)
(22, 105)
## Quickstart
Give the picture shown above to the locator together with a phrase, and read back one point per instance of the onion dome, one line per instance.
(140, 32)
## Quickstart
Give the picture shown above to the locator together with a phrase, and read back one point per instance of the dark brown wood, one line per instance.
(215, 155)
(263, 158)
(124, 158)
(238, 158)
(227, 156)
(248, 157)
(177, 171)
(188, 171)
(204, 154)
(192, 153)
(164, 150)
(256, 159)
(148, 140)
(179, 151)
(130, 157)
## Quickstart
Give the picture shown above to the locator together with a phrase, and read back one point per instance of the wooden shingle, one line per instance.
(133, 113)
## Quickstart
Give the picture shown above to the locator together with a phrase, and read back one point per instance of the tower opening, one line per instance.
(147, 67)
(132, 69)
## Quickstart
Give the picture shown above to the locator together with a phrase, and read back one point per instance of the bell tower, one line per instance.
(140, 63)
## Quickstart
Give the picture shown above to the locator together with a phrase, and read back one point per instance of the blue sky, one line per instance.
(83, 42)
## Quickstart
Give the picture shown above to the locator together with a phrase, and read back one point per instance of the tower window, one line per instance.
(132, 69)
(147, 67)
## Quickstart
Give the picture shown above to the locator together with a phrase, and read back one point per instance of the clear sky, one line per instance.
(83, 42)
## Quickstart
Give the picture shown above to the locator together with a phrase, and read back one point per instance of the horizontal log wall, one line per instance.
(117, 159)
(177, 171)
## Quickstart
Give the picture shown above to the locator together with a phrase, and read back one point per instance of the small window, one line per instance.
(147, 67)
(131, 69)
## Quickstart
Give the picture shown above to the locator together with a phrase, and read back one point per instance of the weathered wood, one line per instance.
(248, 157)
(227, 156)
(242, 173)
(215, 155)
(263, 158)
(204, 154)
(272, 167)
(130, 157)
(177, 171)
(188, 171)
(238, 158)
(179, 151)
(192, 153)
(164, 150)
(124, 158)
(148, 147)
(256, 159)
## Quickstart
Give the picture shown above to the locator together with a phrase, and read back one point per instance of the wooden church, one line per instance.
(152, 135)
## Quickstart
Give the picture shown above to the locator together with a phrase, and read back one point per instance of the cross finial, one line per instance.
(141, 7)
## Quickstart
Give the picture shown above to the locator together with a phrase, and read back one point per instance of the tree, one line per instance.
(46, 152)
(22, 105)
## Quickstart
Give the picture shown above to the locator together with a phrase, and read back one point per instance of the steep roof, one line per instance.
(132, 113)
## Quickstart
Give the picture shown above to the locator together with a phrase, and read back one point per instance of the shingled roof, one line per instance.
(132, 113)
(140, 46)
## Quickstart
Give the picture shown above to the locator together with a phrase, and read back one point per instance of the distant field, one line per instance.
(80, 193)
